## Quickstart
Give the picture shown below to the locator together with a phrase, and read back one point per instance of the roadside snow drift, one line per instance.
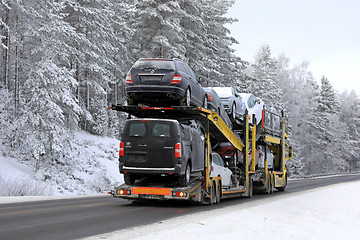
(92, 168)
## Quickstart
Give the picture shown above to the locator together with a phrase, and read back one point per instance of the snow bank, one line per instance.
(331, 212)
(91, 168)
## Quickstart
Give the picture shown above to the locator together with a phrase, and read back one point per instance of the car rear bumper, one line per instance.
(154, 93)
(175, 171)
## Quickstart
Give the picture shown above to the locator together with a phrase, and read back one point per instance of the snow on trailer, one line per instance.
(246, 176)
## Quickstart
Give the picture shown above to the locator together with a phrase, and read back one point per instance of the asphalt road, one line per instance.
(83, 217)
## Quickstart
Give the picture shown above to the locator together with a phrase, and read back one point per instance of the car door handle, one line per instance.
(142, 145)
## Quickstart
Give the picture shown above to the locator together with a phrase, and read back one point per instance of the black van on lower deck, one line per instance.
(162, 147)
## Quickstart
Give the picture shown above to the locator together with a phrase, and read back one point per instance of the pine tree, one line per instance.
(157, 29)
(4, 42)
(94, 59)
(350, 105)
(331, 137)
(264, 75)
(208, 41)
(49, 104)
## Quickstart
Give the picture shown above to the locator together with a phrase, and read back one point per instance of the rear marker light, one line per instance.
(176, 79)
(178, 150)
(179, 194)
(121, 151)
(128, 78)
(210, 98)
(124, 192)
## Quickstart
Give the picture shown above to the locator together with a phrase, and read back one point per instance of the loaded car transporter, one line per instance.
(248, 175)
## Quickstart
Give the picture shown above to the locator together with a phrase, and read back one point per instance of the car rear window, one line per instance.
(137, 130)
(223, 91)
(161, 130)
(148, 128)
(154, 64)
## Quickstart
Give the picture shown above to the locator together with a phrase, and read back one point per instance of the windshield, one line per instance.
(223, 91)
(154, 64)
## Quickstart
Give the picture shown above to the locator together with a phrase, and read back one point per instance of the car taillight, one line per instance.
(176, 79)
(178, 150)
(210, 98)
(128, 78)
(121, 151)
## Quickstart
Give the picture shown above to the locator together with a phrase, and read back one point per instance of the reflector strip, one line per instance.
(157, 108)
(151, 191)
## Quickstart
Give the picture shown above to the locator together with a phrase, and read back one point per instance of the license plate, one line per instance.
(152, 196)
(151, 78)
(136, 158)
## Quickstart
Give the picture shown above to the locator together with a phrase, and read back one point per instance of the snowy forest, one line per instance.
(64, 61)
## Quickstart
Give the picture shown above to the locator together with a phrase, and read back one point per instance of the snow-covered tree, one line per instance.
(49, 106)
(350, 105)
(157, 29)
(263, 75)
(208, 41)
(4, 42)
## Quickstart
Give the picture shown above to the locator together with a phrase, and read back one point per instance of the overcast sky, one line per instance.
(325, 33)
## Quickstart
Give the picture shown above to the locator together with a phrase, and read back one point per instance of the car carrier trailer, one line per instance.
(206, 189)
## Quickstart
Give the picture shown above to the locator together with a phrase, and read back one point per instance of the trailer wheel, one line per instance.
(251, 189)
(218, 193)
(268, 186)
(213, 194)
(281, 189)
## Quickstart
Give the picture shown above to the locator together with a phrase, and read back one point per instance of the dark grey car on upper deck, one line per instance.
(164, 82)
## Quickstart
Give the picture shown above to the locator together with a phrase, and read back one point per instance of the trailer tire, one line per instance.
(272, 184)
(268, 186)
(213, 194)
(218, 193)
(281, 189)
(251, 189)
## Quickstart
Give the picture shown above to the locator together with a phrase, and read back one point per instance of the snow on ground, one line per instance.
(331, 212)
(92, 168)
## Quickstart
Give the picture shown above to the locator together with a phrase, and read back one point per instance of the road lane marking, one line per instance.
(54, 208)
